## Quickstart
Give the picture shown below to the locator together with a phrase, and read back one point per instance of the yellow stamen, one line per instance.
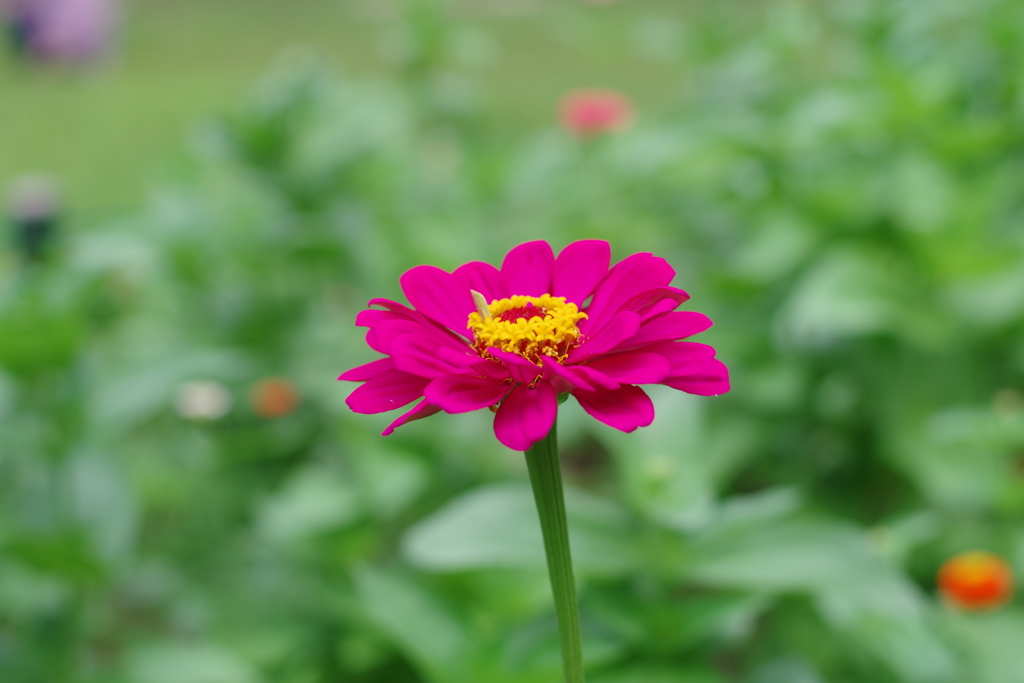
(532, 327)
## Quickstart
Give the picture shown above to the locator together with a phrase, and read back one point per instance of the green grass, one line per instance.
(109, 133)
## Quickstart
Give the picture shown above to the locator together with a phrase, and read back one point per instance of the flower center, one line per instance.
(530, 326)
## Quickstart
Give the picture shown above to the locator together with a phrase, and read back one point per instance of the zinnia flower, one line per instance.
(554, 326)
(591, 112)
(976, 580)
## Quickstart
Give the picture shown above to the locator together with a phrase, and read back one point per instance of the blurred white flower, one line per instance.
(202, 400)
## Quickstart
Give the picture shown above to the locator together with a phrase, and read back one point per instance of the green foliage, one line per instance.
(838, 188)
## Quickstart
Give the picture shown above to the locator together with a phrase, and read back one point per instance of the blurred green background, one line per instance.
(840, 186)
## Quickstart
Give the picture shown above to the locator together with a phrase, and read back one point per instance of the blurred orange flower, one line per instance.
(274, 397)
(976, 580)
(591, 112)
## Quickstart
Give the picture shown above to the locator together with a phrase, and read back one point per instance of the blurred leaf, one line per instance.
(794, 555)
(910, 646)
(188, 663)
(777, 248)
(992, 644)
(756, 509)
(26, 594)
(923, 193)
(389, 479)
(419, 623)
(785, 671)
(670, 469)
(316, 499)
(103, 502)
(992, 300)
(963, 458)
(845, 293)
(655, 674)
(497, 526)
(666, 624)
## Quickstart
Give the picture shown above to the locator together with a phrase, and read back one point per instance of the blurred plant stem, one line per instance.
(546, 479)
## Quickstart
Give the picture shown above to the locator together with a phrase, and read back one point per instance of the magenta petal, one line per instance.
(621, 327)
(418, 354)
(634, 367)
(571, 377)
(398, 320)
(686, 357)
(579, 268)
(468, 364)
(655, 301)
(380, 337)
(521, 369)
(663, 306)
(561, 380)
(465, 393)
(367, 372)
(484, 278)
(372, 317)
(712, 381)
(669, 327)
(439, 295)
(528, 269)
(421, 410)
(627, 278)
(393, 307)
(526, 415)
(459, 359)
(625, 408)
(389, 390)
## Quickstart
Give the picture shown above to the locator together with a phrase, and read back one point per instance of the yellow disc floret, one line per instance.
(530, 326)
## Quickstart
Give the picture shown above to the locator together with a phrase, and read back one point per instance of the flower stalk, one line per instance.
(546, 479)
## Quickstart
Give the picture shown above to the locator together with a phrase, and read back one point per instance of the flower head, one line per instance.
(976, 580)
(553, 326)
(591, 112)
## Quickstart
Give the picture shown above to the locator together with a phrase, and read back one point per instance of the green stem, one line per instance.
(546, 478)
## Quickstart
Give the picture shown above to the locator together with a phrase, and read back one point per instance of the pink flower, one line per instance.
(591, 112)
(565, 325)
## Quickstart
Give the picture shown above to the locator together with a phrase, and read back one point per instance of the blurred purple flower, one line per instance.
(61, 30)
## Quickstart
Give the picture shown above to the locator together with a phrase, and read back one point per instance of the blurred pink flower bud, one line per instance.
(591, 112)
(62, 30)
